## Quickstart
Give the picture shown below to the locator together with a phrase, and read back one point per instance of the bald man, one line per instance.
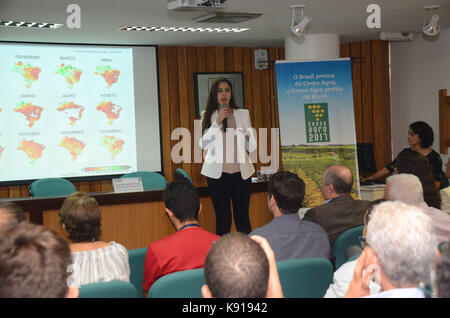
(340, 211)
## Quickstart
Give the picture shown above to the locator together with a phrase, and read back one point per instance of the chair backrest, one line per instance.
(184, 284)
(51, 187)
(346, 239)
(136, 258)
(111, 289)
(150, 180)
(180, 173)
(305, 277)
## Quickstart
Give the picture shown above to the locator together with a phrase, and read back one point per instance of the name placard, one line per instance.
(122, 185)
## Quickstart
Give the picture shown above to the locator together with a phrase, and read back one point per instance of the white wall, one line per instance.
(418, 70)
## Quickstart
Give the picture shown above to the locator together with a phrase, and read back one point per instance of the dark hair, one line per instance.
(212, 103)
(82, 217)
(288, 190)
(425, 133)
(413, 162)
(442, 281)
(336, 176)
(33, 263)
(371, 207)
(236, 267)
(12, 215)
(181, 198)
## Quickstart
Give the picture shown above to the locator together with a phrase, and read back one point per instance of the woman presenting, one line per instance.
(228, 138)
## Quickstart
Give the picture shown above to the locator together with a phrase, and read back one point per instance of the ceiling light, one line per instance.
(300, 27)
(431, 24)
(21, 24)
(183, 29)
(227, 17)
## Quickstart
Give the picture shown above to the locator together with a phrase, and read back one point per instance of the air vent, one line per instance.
(227, 17)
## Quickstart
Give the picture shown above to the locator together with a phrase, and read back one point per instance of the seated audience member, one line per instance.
(188, 246)
(10, 216)
(343, 276)
(412, 162)
(442, 279)
(400, 249)
(93, 260)
(288, 235)
(33, 263)
(408, 189)
(445, 193)
(340, 211)
(239, 266)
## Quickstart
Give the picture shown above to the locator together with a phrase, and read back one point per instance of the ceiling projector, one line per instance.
(190, 5)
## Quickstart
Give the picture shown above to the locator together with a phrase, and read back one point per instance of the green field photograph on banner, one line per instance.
(317, 127)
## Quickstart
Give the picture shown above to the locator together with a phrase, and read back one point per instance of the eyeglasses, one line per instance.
(363, 242)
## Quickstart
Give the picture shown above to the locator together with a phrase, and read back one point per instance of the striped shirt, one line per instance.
(99, 265)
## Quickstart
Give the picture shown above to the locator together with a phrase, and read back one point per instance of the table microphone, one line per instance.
(224, 122)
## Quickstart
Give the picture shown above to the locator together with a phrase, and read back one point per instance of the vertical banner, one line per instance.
(317, 124)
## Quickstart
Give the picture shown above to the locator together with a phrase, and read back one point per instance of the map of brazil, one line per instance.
(31, 112)
(73, 145)
(113, 144)
(112, 111)
(29, 72)
(72, 110)
(110, 75)
(32, 149)
(70, 73)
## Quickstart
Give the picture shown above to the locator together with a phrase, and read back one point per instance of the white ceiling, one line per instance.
(101, 19)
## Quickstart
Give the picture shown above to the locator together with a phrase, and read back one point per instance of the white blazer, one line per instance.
(213, 143)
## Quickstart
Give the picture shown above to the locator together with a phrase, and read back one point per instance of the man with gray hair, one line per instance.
(407, 188)
(400, 249)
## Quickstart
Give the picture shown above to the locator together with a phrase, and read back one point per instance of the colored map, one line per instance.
(30, 111)
(32, 149)
(110, 75)
(112, 111)
(29, 72)
(70, 73)
(72, 110)
(114, 145)
(74, 146)
(1, 150)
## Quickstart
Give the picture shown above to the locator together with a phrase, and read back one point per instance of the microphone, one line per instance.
(224, 122)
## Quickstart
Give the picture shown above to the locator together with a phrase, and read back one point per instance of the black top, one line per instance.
(434, 160)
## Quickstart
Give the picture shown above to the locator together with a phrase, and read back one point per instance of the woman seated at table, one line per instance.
(93, 260)
(420, 138)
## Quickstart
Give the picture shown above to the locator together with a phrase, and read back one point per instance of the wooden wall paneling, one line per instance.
(366, 91)
(381, 103)
(165, 110)
(220, 58)
(106, 185)
(174, 100)
(355, 54)
(84, 186)
(96, 186)
(248, 79)
(265, 112)
(24, 190)
(201, 67)
(4, 192)
(274, 55)
(192, 67)
(229, 59)
(237, 59)
(14, 191)
(185, 106)
(210, 59)
(344, 50)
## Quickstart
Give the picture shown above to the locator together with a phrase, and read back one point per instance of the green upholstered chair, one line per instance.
(346, 239)
(136, 258)
(48, 187)
(305, 277)
(150, 180)
(111, 289)
(180, 173)
(184, 284)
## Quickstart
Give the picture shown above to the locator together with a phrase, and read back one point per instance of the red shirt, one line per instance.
(183, 250)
